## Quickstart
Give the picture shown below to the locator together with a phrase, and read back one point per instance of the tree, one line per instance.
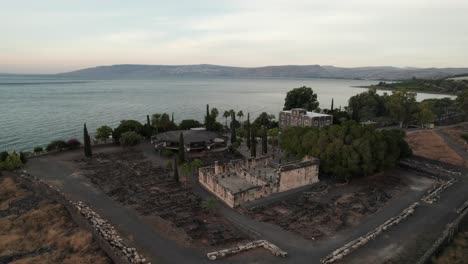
(240, 114)
(233, 128)
(462, 101)
(226, 115)
(87, 142)
(264, 141)
(264, 119)
(148, 129)
(127, 126)
(402, 106)
(302, 97)
(253, 143)
(188, 124)
(207, 118)
(181, 148)
(331, 107)
(367, 105)
(162, 122)
(247, 127)
(347, 150)
(129, 139)
(103, 132)
(424, 115)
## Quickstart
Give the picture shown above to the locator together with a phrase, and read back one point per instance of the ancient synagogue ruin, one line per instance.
(240, 181)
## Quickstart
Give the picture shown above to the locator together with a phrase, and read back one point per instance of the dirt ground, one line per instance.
(170, 206)
(457, 251)
(330, 208)
(430, 145)
(456, 132)
(34, 230)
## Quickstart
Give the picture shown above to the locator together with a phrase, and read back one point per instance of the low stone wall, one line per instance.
(445, 238)
(245, 247)
(103, 232)
(361, 241)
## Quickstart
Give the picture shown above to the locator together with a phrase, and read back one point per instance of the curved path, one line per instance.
(57, 170)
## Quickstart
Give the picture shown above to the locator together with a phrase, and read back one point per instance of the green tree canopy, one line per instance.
(302, 97)
(189, 123)
(127, 126)
(162, 122)
(402, 106)
(347, 150)
(367, 105)
(103, 132)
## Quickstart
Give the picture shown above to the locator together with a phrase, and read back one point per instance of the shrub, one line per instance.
(130, 138)
(464, 136)
(38, 149)
(169, 165)
(3, 156)
(23, 157)
(73, 143)
(11, 162)
(167, 153)
(56, 145)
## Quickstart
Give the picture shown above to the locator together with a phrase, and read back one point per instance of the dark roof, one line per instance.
(190, 136)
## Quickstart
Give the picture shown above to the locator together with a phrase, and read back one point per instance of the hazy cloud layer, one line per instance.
(56, 35)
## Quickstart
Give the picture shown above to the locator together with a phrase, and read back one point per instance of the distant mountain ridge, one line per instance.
(133, 71)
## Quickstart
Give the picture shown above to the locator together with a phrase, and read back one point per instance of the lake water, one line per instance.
(36, 110)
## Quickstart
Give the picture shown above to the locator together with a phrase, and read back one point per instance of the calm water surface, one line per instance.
(36, 110)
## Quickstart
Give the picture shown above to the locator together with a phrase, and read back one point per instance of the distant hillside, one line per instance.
(287, 71)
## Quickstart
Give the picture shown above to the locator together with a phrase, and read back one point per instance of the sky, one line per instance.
(51, 36)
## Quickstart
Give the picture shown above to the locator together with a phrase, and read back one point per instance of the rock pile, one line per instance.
(245, 247)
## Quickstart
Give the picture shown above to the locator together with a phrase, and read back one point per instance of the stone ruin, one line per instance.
(134, 181)
(246, 247)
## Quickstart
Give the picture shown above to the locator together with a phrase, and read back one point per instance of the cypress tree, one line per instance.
(331, 105)
(181, 149)
(176, 169)
(172, 118)
(87, 142)
(247, 128)
(207, 118)
(149, 128)
(233, 128)
(253, 144)
(265, 141)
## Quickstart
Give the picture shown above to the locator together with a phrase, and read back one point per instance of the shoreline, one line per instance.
(396, 89)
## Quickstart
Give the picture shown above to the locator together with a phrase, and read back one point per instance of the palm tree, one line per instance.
(240, 114)
(226, 115)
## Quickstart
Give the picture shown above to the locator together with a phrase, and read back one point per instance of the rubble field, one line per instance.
(329, 208)
(37, 230)
(132, 180)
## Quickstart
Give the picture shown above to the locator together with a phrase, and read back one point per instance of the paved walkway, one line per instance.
(58, 171)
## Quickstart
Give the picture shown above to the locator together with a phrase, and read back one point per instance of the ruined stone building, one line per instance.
(299, 117)
(240, 181)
